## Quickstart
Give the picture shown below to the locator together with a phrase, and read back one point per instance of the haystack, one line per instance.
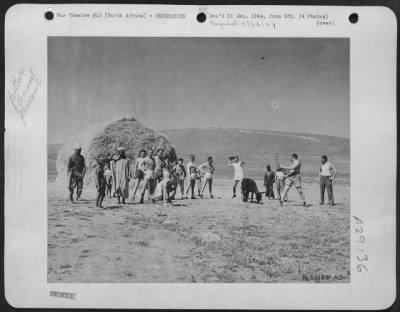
(102, 141)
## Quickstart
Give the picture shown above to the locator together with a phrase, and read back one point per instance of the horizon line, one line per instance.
(246, 129)
(255, 129)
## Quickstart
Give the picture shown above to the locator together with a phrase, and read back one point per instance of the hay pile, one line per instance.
(102, 141)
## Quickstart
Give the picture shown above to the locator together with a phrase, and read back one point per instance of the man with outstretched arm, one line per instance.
(293, 177)
(238, 172)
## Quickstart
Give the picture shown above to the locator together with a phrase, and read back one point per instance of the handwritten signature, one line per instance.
(23, 91)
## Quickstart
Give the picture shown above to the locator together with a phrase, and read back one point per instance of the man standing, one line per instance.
(159, 164)
(326, 175)
(76, 170)
(138, 173)
(192, 174)
(179, 172)
(239, 175)
(269, 179)
(293, 177)
(147, 167)
(113, 162)
(208, 169)
(122, 176)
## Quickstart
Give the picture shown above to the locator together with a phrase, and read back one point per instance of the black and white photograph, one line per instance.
(200, 157)
(198, 160)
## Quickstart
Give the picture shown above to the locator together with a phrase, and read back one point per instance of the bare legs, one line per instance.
(136, 188)
(148, 183)
(299, 190)
(209, 182)
(191, 186)
(199, 186)
(181, 184)
(234, 188)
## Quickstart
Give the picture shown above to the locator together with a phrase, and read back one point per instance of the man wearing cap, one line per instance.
(122, 176)
(76, 170)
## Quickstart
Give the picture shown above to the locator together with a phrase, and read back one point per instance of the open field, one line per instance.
(201, 240)
(209, 240)
(255, 147)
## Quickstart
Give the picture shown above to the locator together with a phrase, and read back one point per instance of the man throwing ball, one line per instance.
(239, 175)
(292, 173)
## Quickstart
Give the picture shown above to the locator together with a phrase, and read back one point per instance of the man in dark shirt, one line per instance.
(100, 183)
(269, 179)
(76, 171)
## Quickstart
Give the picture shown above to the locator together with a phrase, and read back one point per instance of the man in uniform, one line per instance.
(76, 171)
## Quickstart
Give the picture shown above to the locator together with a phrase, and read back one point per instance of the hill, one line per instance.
(255, 147)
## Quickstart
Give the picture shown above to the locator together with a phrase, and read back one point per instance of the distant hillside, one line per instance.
(255, 147)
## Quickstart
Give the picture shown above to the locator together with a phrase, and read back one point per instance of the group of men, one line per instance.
(167, 176)
(286, 176)
(158, 172)
(150, 173)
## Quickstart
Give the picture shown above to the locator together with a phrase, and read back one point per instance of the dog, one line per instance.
(249, 186)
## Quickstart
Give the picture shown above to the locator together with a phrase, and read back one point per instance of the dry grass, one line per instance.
(102, 141)
(205, 241)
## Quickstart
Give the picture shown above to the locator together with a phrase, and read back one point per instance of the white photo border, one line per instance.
(373, 140)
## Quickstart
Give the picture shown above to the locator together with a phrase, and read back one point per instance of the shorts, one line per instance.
(149, 174)
(166, 174)
(158, 173)
(296, 180)
(193, 176)
(208, 175)
(139, 174)
(238, 178)
(180, 178)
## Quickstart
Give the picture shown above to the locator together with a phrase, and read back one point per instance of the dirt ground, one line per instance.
(219, 240)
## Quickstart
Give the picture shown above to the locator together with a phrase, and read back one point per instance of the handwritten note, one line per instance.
(361, 253)
(22, 93)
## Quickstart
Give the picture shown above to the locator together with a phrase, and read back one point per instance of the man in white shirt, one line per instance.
(192, 174)
(208, 169)
(239, 174)
(293, 177)
(327, 173)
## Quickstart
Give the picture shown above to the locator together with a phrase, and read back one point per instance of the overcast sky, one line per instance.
(293, 85)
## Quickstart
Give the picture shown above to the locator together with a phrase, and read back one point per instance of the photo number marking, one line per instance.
(361, 255)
